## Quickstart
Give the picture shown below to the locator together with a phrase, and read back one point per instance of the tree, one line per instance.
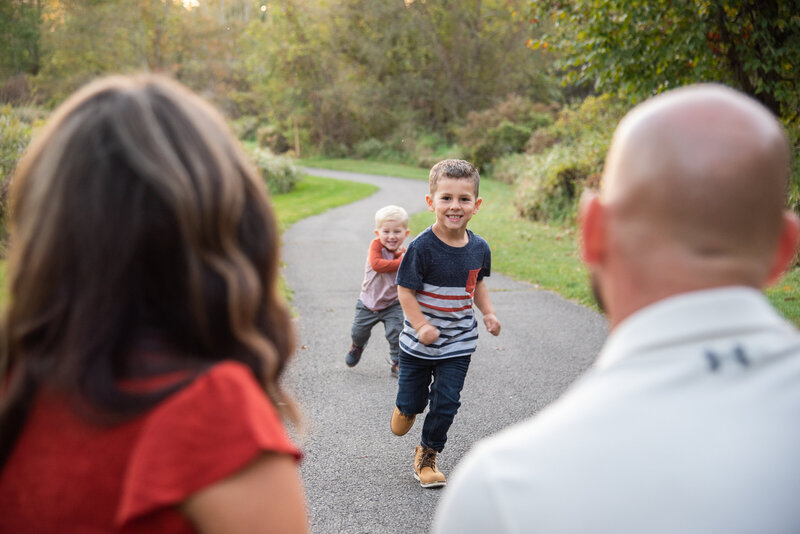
(350, 70)
(20, 22)
(641, 47)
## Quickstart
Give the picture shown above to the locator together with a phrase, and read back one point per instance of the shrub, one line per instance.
(246, 127)
(500, 130)
(279, 172)
(510, 168)
(16, 126)
(270, 137)
(563, 160)
(794, 180)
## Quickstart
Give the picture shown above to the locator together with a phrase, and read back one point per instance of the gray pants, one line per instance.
(365, 319)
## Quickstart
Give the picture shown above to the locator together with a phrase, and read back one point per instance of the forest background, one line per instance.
(530, 91)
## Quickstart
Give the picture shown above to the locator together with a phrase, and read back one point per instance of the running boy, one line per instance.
(439, 279)
(378, 301)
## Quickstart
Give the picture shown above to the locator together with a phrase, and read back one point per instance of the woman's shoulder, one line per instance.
(204, 433)
(224, 390)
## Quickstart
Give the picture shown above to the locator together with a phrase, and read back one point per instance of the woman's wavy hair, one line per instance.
(136, 215)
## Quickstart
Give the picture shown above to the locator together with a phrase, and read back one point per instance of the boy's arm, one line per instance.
(376, 261)
(426, 332)
(484, 304)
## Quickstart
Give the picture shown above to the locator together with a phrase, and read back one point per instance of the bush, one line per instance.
(510, 168)
(279, 172)
(271, 138)
(246, 127)
(502, 129)
(16, 126)
(565, 158)
(793, 202)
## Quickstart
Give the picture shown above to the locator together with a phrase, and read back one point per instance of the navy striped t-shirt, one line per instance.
(444, 278)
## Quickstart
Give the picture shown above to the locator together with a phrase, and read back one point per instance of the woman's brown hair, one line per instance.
(135, 216)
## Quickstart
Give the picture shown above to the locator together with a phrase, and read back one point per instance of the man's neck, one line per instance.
(455, 238)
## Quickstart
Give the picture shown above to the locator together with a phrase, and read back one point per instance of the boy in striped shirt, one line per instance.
(439, 280)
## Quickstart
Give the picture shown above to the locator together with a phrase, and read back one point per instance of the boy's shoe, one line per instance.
(401, 423)
(395, 370)
(354, 355)
(425, 468)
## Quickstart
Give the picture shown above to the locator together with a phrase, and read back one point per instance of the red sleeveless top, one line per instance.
(68, 475)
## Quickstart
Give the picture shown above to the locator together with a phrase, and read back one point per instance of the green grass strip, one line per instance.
(367, 167)
(314, 195)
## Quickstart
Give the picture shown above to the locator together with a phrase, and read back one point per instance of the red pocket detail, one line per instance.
(472, 281)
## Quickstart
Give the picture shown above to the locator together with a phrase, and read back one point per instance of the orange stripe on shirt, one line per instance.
(445, 309)
(444, 297)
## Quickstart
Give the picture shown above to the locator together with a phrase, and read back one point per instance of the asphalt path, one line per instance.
(358, 476)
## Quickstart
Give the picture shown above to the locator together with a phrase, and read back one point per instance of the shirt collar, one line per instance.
(691, 316)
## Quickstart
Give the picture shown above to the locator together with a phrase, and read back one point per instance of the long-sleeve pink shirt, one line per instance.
(379, 290)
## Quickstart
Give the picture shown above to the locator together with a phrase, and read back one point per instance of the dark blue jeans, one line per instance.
(415, 390)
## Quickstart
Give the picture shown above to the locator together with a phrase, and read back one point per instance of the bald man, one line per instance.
(689, 420)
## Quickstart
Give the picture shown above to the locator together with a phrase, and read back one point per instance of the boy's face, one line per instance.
(392, 234)
(454, 203)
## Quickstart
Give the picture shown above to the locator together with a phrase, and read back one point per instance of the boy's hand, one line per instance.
(427, 334)
(491, 323)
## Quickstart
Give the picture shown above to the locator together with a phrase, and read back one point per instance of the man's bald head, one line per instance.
(699, 174)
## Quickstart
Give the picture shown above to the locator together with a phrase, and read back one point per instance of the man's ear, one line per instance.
(429, 202)
(787, 246)
(591, 219)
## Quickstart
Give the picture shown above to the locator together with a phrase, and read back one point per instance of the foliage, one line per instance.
(376, 149)
(350, 71)
(794, 182)
(246, 127)
(279, 172)
(551, 180)
(20, 26)
(502, 129)
(428, 149)
(16, 128)
(641, 48)
(81, 39)
(270, 137)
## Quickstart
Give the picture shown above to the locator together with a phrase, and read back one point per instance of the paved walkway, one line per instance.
(357, 474)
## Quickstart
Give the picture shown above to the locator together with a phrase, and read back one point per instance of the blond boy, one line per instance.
(378, 300)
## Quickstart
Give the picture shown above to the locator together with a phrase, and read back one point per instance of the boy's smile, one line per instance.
(454, 203)
(392, 234)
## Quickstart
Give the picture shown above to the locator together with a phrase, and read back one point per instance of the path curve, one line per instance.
(357, 474)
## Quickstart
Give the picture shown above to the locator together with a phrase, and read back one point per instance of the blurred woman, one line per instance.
(144, 337)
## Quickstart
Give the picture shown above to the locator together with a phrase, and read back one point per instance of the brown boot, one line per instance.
(401, 423)
(425, 468)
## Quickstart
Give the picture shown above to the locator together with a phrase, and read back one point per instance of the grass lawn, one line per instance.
(315, 195)
(368, 167)
(546, 256)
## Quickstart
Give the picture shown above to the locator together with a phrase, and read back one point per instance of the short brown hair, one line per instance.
(453, 168)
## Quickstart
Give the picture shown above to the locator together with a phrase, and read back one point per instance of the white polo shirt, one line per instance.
(688, 422)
